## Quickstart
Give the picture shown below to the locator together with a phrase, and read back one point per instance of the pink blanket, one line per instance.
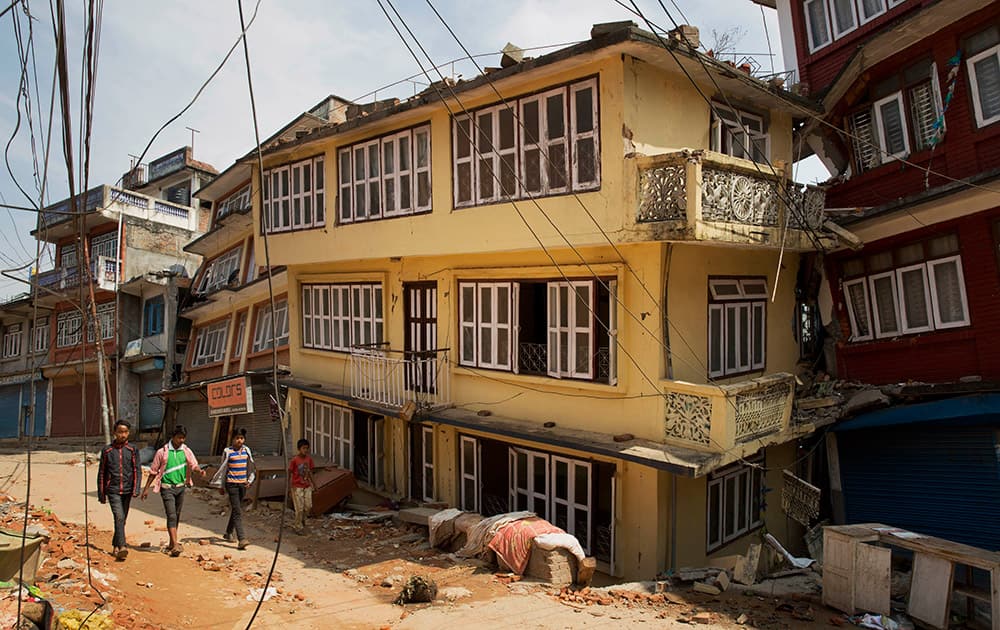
(512, 543)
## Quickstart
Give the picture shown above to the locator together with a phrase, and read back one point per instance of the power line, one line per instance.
(274, 327)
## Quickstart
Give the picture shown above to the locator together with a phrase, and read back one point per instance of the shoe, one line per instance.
(243, 545)
(121, 553)
(229, 537)
(176, 550)
(114, 551)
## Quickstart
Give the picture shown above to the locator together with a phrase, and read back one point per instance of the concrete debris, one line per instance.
(707, 589)
(453, 593)
(865, 400)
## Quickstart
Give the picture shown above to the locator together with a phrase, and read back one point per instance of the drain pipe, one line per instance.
(673, 522)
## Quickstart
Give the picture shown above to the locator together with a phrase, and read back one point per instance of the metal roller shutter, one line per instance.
(150, 407)
(194, 417)
(938, 480)
(263, 433)
(11, 404)
(66, 420)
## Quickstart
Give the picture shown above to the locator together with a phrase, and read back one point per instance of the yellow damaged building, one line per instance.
(567, 285)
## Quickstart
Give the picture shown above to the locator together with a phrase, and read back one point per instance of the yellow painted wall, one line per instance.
(690, 266)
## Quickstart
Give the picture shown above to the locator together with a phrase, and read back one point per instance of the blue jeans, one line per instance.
(119, 508)
(173, 501)
(237, 492)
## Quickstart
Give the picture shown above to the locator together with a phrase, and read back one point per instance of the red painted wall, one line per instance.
(934, 356)
(966, 150)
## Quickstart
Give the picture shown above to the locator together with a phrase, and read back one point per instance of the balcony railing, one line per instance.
(709, 196)
(719, 418)
(105, 271)
(126, 201)
(392, 378)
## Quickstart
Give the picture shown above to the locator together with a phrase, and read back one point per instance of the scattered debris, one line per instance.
(255, 593)
(418, 589)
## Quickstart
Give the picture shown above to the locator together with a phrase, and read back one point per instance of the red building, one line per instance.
(911, 134)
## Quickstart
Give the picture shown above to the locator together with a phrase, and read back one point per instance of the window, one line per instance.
(241, 330)
(67, 258)
(265, 334)
(210, 344)
(486, 309)
(69, 329)
(912, 289)
(104, 245)
(562, 329)
(340, 316)
(41, 334)
(737, 323)
(385, 177)
(871, 9)
(152, 316)
(827, 20)
(105, 322)
(817, 24)
(844, 14)
(330, 431)
(550, 146)
(238, 201)
(901, 120)
(738, 134)
(220, 271)
(734, 503)
(294, 196)
(12, 341)
(984, 84)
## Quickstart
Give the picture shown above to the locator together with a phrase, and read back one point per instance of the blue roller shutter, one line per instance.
(13, 399)
(938, 480)
(151, 407)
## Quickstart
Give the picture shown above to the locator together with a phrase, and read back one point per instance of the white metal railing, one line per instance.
(393, 378)
(129, 202)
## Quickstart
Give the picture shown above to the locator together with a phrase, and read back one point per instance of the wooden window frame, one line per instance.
(748, 298)
(199, 358)
(213, 278)
(333, 323)
(754, 520)
(65, 336)
(12, 340)
(262, 334)
(974, 84)
(40, 335)
(278, 210)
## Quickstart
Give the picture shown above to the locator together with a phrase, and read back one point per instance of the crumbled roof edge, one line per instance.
(631, 33)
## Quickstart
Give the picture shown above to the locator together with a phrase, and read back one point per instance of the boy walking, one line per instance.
(236, 473)
(300, 469)
(118, 479)
(170, 474)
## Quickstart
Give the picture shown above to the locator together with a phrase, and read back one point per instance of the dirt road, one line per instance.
(341, 575)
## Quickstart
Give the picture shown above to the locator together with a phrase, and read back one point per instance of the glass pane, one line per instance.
(744, 336)
(581, 485)
(743, 504)
(715, 340)
(583, 308)
(463, 132)
(872, 7)
(951, 307)
(714, 516)
(485, 176)
(532, 170)
(404, 193)
(759, 321)
(503, 346)
(583, 353)
(943, 245)
(345, 167)
(468, 303)
(486, 345)
(555, 117)
(563, 306)
(372, 162)
(843, 14)
(564, 352)
(910, 254)
(508, 176)
(557, 165)
(988, 85)
(893, 132)
(539, 466)
(730, 506)
(359, 163)
(468, 343)
(561, 479)
(530, 120)
(586, 161)
(915, 298)
(390, 195)
(507, 129)
(464, 182)
(522, 470)
(484, 136)
(885, 304)
(503, 304)
(584, 110)
(404, 153)
(486, 304)
(423, 148)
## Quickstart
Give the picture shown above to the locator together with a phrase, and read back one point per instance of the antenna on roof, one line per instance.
(193, 131)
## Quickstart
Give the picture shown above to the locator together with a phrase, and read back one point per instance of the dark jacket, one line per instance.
(119, 471)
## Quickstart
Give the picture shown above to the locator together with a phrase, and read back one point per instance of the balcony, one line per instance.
(707, 196)
(105, 271)
(393, 378)
(721, 418)
(103, 204)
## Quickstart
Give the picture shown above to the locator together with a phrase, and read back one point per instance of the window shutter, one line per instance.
(467, 305)
(464, 184)
(866, 154)
(515, 328)
(613, 333)
(422, 164)
(857, 309)
(883, 288)
(914, 298)
(716, 340)
(485, 131)
(586, 164)
(892, 127)
(948, 293)
(987, 78)
(758, 332)
(553, 317)
(923, 114)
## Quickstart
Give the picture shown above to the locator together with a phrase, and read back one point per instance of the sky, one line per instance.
(154, 56)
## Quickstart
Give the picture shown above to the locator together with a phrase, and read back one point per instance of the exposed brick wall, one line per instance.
(935, 356)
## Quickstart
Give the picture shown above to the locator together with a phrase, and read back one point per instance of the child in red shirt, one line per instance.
(300, 470)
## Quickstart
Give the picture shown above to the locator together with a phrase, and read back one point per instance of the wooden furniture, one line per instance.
(271, 468)
(857, 574)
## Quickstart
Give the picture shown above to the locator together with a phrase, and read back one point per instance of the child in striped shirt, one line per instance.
(234, 477)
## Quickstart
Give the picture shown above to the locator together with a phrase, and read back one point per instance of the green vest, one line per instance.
(176, 470)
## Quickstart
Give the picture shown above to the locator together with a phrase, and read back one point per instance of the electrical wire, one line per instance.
(274, 329)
